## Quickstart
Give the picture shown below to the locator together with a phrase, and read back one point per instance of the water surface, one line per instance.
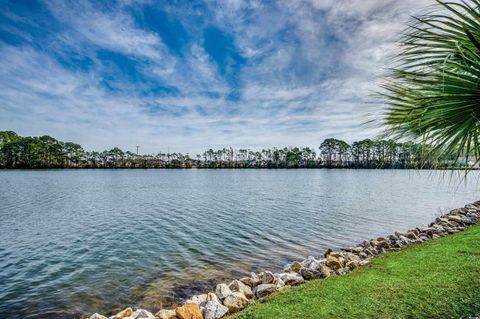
(75, 241)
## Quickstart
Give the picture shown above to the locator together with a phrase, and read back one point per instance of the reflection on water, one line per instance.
(76, 241)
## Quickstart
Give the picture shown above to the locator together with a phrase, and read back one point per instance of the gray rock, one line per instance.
(235, 301)
(141, 314)
(291, 279)
(214, 310)
(222, 291)
(239, 286)
(97, 316)
(264, 290)
(198, 299)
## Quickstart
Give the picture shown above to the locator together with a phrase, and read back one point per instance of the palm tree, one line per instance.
(433, 91)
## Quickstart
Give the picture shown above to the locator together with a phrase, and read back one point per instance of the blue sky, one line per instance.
(192, 75)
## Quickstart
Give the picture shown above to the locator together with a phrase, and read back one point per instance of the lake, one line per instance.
(76, 241)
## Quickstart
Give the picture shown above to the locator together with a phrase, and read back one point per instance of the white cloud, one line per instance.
(310, 67)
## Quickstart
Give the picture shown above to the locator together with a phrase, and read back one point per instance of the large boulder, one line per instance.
(214, 310)
(166, 314)
(239, 286)
(264, 290)
(235, 301)
(222, 291)
(189, 311)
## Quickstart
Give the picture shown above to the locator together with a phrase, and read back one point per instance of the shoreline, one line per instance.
(231, 298)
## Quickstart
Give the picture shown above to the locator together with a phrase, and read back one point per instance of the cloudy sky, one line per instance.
(192, 75)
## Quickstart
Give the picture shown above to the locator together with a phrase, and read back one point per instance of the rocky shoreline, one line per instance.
(235, 296)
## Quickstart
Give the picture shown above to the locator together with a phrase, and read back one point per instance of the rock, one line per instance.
(295, 267)
(264, 290)
(239, 286)
(291, 279)
(278, 281)
(97, 316)
(222, 291)
(248, 281)
(214, 310)
(127, 312)
(166, 314)
(334, 262)
(266, 277)
(352, 264)
(435, 236)
(141, 314)
(189, 311)
(235, 301)
(212, 297)
(251, 281)
(456, 219)
(327, 252)
(308, 274)
(342, 271)
(198, 299)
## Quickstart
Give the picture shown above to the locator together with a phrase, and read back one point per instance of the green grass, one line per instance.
(437, 279)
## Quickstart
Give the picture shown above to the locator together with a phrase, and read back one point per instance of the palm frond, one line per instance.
(433, 90)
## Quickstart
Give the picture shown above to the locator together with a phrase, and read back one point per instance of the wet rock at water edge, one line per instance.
(214, 310)
(294, 267)
(235, 301)
(189, 311)
(166, 314)
(239, 286)
(222, 291)
(264, 290)
(141, 314)
(124, 313)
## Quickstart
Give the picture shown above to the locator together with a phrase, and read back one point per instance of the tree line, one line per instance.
(47, 152)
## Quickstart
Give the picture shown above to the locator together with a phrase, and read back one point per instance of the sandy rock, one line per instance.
(214, 310)
(222, 291)
(352, 264)
(264, 290)
(295, 267)
(97, 316)
(266, 277)
(166, 314)
(189, 311)
(235, 301)
(212, 297)
(127, 312)
(334, 262)
(327, 252)
(239, 286)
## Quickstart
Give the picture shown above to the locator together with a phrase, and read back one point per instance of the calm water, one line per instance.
(75, 241)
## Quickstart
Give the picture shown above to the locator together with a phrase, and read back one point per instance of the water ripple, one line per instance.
(76, 241)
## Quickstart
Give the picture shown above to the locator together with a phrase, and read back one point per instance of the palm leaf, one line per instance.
(433, 90)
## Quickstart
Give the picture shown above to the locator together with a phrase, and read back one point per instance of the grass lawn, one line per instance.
(437, 279)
